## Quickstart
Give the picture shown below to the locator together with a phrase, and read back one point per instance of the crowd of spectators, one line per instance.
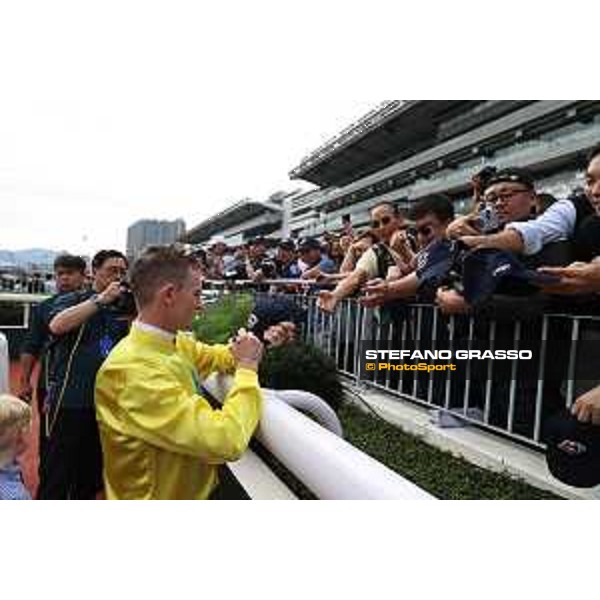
(426, 254)
(519, 253)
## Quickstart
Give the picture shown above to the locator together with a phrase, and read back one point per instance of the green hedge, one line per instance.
(440, 473)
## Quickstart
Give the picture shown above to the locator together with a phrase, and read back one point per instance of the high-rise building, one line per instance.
(148, 232)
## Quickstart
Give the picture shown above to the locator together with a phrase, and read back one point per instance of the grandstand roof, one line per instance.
(240, 212)
(391, 132)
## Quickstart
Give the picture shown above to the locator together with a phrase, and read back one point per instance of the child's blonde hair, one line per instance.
(14, 414)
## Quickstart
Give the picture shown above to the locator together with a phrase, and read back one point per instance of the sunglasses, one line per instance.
(494, 198)
(425, 231)
(384, 221)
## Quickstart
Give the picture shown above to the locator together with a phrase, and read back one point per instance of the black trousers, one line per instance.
(71, 458)
(40, 395)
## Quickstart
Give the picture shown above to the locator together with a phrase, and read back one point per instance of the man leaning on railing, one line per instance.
(432, 216)
(393, 249)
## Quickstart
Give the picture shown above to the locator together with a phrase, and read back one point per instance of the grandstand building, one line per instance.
(405, 150)
(246, 219)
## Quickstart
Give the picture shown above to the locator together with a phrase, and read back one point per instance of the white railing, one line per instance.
(320, 458)
(511, 398)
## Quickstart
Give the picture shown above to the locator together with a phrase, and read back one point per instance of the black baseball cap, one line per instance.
(272, 310)
(309, 244)
(488, 271)
(573, 450)
(259, 239)
(287, 244)
(511, 175)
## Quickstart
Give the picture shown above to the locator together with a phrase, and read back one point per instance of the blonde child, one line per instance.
(15, 420)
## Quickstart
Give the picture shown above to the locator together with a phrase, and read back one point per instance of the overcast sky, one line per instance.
(118, 110)
(110, 116)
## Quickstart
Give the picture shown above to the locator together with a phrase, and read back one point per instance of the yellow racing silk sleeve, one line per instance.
(160, 406)
(206, 358)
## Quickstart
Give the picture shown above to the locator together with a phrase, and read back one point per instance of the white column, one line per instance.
(4, 365)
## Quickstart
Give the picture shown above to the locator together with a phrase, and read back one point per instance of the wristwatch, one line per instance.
(95, 300)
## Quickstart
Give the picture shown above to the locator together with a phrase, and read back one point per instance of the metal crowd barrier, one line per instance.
(23, 285)
(512, 398)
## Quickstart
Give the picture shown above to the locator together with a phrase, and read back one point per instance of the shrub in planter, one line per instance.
(299, 366)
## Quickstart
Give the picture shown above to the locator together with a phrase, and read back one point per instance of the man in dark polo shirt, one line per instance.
(69, 274)
(85, 326)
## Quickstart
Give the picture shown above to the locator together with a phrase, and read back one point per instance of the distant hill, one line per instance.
(27, 258)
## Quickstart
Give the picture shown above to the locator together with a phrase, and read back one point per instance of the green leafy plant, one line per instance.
(221, 320)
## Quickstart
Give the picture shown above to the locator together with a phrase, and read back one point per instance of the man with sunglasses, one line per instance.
(392, 250)
(431, 216)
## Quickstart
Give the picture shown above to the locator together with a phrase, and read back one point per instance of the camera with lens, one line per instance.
(235, 270)
(125, 302)
(487, 220)
(268, 268)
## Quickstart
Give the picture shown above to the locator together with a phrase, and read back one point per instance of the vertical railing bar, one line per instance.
(466, 397)
(540, 386)
(338, 327)
(433, 347)
(310, 321)
(513, 378)
(360, 329)
(390, 337)
(572, 362)
(403, 337)
(448, 387)
(490, 373)
(347, 327)
(376, 340)
(26, 315)
(418, 338)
